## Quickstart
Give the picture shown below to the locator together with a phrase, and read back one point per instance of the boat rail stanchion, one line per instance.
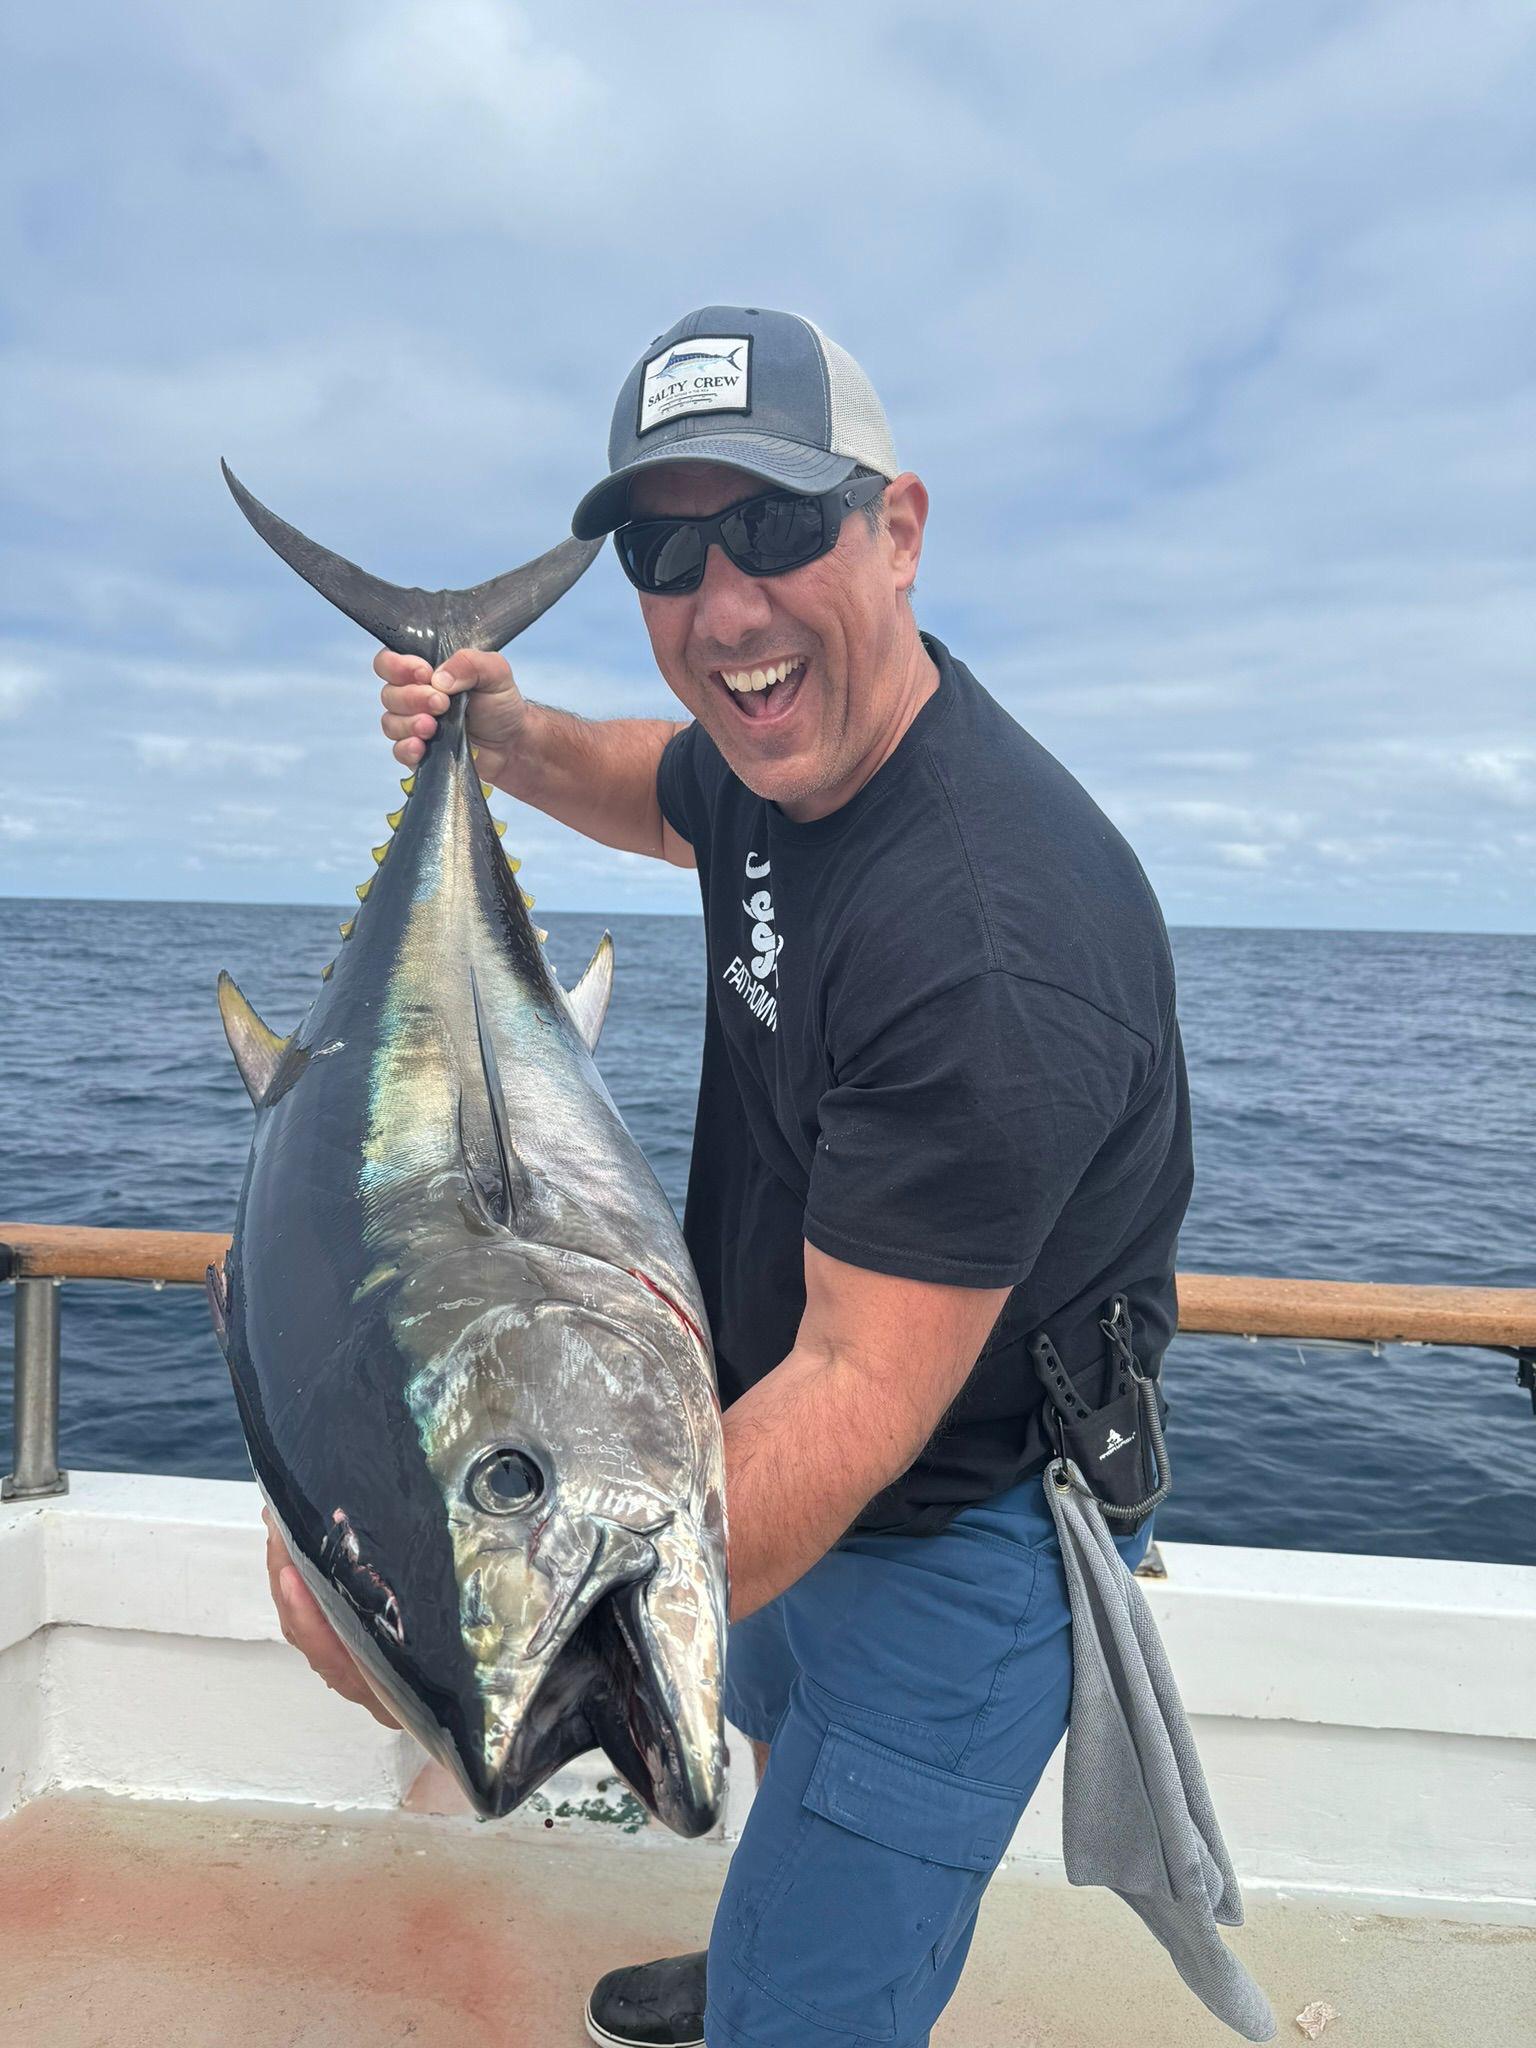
(36, 1406)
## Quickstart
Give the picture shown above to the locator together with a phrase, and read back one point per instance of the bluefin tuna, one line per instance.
(467, 1344)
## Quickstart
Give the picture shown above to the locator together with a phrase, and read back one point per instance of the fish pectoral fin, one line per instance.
(588, 1000)
(512, 1189)
(216, 1283)
(485, 1180)
(256, 1046)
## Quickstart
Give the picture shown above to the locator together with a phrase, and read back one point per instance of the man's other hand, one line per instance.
(303, 1625)
(415, 696)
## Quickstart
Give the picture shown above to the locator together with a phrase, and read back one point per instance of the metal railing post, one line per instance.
(36, 1408)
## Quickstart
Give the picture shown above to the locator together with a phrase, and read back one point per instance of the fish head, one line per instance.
(551, 1574)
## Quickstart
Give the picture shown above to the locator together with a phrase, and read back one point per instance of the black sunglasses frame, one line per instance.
(834, 506)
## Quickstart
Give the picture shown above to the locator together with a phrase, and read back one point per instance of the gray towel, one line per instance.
(1135, 1812)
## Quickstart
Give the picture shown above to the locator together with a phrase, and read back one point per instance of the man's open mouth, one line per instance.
(766, 693)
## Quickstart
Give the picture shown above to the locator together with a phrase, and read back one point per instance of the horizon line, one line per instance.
(697, 916)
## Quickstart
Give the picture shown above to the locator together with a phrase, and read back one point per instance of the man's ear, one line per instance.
(906, 515)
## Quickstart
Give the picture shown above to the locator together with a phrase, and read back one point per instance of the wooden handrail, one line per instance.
(74, 1251)
(1219, 1304)
(1210, 1304)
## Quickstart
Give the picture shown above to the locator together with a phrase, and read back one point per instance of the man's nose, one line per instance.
(729, 606)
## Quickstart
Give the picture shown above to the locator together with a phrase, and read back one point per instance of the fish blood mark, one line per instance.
(662, 1295)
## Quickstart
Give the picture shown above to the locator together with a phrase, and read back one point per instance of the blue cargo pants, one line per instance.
(913, 1690)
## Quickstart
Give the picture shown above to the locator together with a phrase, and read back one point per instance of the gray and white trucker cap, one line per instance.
(765, 392)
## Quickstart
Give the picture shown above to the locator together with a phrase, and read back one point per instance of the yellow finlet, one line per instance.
(328, 970)
(408, 783)
(527, 900)
(392, 818)
(346, 929)
(499, 825)
(485, 791)
(363, 888)
(513, 862)
(379, 853)
(541, 935)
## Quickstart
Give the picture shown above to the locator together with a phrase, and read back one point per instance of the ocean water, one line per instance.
(1365, 1109)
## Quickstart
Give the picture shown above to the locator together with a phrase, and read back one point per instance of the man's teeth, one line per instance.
(760, 678)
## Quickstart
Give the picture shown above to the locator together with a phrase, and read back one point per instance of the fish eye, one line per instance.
(504, 1481)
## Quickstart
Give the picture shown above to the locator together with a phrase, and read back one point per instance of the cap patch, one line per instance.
(709, 373)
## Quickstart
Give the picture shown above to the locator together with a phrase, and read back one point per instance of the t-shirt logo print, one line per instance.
(750, 977)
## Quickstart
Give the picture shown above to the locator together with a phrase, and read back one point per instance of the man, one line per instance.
(942, 1111)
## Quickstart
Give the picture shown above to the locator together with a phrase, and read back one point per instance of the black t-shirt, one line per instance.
(941, 1042)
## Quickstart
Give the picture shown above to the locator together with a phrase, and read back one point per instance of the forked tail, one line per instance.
(432, 623)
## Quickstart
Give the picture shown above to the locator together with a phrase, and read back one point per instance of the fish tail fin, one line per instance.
(431, 623)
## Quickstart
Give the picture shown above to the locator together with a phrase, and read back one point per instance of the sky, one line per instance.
(1209, 327)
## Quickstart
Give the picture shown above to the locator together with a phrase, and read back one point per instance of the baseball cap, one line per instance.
(765, 392)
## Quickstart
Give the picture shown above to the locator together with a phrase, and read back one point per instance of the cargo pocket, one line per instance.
(887, 1866)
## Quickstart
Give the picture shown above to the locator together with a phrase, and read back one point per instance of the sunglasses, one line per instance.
(766, 536)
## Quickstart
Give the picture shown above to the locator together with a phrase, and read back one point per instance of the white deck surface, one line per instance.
(199, 1845)
(130, 1924)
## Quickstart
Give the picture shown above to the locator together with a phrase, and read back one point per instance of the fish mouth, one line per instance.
(633, 1668)
(666, 1742)
(622, 1683)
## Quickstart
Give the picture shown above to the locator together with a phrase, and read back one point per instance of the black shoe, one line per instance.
(650, 2005)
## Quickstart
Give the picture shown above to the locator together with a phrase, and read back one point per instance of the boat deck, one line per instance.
(129, 1922)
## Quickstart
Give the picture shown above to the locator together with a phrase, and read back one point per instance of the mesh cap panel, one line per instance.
(859, 425)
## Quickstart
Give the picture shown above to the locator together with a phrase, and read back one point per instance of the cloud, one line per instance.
(1505, 773)
(185, 755)
(1207, 326)
(1204, 760)
(1205, 815)
(239, 814)
(23, 680)
(487, 88)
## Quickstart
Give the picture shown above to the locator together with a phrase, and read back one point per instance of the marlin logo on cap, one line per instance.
(680, 356)
(701, 373)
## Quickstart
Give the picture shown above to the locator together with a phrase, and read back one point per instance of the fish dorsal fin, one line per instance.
(257, 1048)
(513, 1189)
(588, 1000)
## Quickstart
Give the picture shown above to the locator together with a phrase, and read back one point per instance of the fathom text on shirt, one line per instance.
(758, 999)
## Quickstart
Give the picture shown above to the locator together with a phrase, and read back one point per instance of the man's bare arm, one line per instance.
(596, 775)
(876, 1362)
